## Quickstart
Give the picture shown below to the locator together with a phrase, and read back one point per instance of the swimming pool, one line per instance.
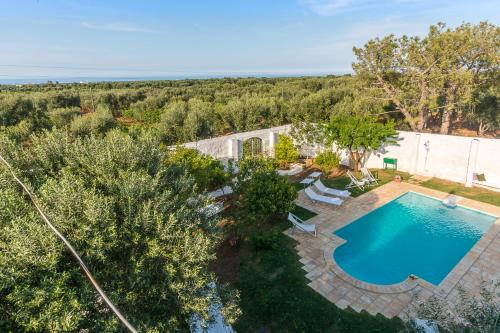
(412, 234)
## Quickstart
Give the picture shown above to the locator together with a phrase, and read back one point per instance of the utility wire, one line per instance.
(72, 250)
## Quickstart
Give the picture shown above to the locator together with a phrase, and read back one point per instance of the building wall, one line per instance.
(230, 146)
(443, 156)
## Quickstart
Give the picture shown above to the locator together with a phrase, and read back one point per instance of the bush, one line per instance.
(262, 193)
(94, 123)
(285, 151)
(62, 117)
(265, 241)
(472, 313)
(327, 161)
(207, 172)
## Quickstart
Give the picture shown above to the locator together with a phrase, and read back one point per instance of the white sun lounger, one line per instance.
(299, 224)
(331, 191)
(213, 209)
(322, 198)
(355, 182)
(367, 175)
(221, 192)
(295, 169)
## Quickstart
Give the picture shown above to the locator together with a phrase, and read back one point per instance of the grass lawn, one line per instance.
(384, 176)
(302, 213)
(274, 292)
(473, 193)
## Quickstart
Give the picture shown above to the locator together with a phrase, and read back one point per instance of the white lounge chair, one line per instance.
(299, 224)
(221, 192)
(295, 169)
(322, 198)
(213, 209)
(367, 175)
(355, 182)
(331, 191)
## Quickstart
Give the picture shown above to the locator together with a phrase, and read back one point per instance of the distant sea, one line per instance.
(155, 78)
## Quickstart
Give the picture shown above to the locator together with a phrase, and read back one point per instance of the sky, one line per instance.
(124, 38)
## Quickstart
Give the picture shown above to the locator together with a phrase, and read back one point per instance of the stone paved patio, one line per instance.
(482, 262)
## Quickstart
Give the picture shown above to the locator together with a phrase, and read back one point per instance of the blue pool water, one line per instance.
(413, 234)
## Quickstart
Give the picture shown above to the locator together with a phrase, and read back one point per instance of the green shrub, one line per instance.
(94, 123)
(207, 172)
(285, 151)
(327, 161)
(62, 117)
(262, 193)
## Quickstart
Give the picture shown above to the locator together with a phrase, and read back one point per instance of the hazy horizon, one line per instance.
(186, 76)
(62, 39)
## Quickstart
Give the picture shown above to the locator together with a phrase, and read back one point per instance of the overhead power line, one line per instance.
(93, 281)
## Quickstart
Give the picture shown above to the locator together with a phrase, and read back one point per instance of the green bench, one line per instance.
(392, 162)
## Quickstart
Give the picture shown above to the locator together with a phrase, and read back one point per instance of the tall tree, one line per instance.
(468, 60)
(356, 127)
(437, 74)
(398, 70)
(124, 209)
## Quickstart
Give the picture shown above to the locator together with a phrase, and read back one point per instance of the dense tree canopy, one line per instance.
(356, 127)
(179, 111)
(262, 193)
(126, 211)
(435, 77)
(208, 173)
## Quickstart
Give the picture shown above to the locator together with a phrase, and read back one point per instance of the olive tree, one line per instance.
(126, 212)
(435, 75)
(357, 130)
(472, 313)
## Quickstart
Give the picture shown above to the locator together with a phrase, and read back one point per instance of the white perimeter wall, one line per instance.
(226, 146)
(448, 157)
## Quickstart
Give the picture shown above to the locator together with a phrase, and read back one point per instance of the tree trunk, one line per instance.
(355, 159)
(399, 105)
(446, 121)
(422, 120)
(423, 108)
(482, 128)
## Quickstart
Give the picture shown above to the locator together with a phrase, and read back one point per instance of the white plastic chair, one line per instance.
(299, 224)
(368, 175)
(355, 182)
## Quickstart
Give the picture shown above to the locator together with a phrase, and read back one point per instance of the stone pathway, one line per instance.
(482, 263)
